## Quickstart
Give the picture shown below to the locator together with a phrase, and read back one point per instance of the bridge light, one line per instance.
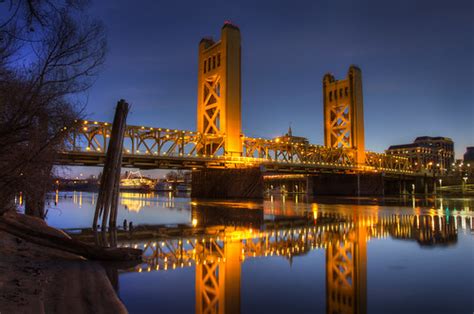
(85, 122)
(84, 128)
(95, 122)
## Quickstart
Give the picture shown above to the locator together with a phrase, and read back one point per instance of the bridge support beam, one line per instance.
(227, 183)
(424, 185)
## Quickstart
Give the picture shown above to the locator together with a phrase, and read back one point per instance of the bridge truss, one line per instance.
(151, 148)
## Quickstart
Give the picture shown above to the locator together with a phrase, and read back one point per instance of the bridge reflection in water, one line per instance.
(218, 242)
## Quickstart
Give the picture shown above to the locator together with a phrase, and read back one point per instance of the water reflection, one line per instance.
(131, 201)
(75, 209)
(287, 254)
(221, 240)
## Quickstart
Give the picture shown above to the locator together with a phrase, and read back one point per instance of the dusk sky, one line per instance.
(416, 59)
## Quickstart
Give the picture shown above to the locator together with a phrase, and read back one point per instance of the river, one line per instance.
(291, 254)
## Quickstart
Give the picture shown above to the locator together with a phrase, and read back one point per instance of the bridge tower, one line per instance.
(218, 283)
(344, 112)
(219, 99)
(346, 274)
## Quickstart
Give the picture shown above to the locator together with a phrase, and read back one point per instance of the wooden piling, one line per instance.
(107, 201)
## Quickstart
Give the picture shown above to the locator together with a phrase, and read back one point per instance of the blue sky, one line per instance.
(416, 59)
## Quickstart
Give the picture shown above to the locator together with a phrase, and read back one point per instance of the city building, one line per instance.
(469, 154)
(427, 152)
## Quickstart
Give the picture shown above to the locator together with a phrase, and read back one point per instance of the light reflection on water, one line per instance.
(288, 255)
(76, 209)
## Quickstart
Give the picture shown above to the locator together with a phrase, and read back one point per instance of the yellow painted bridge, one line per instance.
(218, 141)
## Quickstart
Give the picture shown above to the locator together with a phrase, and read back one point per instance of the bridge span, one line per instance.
(161, 148)
(218, 145)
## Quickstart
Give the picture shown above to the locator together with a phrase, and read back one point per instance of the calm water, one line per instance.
(291, 255)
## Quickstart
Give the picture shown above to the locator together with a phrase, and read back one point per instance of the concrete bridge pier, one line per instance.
(227, 183)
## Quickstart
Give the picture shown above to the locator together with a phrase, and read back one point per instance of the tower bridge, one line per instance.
(219, 143)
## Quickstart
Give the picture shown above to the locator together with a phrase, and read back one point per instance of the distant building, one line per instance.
(290, 138)
(469, 154)
(427, 152)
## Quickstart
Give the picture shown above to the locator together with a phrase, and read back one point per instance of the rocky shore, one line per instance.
(39, 279)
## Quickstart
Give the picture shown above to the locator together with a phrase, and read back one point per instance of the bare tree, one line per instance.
(50, 52)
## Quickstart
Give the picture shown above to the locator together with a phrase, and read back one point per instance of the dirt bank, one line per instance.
(36, 279)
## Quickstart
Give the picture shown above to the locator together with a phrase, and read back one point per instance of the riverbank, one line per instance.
(38, 279)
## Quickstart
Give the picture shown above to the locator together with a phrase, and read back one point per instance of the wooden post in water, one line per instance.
(107, 200)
